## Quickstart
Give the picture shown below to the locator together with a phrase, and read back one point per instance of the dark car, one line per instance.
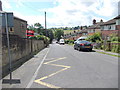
(83, 45)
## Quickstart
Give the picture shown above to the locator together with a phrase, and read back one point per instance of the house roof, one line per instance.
(118, 17)
(96, 26)
(14, 16)
(84, 31)
(113, 21)
(19, 19)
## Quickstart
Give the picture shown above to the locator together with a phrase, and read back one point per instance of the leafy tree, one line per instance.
(39, 28)
(32, 28)
(58, 34)
(95, 37)
(50, 34)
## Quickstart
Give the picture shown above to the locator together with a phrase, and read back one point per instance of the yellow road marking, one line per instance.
(55, 60)
(46, 84)
(45, 77)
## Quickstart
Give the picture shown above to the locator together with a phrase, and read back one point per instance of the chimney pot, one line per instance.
(0, 5)
(101, 20)
(94, 21)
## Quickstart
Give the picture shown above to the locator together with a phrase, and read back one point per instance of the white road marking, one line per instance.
(35, 74)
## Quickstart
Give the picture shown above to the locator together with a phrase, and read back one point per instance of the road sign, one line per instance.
(10, 19)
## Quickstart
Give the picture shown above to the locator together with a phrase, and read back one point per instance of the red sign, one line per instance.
(30, 33)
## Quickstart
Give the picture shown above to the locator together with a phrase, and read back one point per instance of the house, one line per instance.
(117, 22)
(95, 27)
(110, 27)
(19, 26)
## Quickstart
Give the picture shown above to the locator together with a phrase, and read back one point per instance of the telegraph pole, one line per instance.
(45, 24)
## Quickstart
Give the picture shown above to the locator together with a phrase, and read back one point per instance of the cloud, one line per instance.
(32, 0)
(31, 19)
(6, 4)
(79, 12)
(71, 12)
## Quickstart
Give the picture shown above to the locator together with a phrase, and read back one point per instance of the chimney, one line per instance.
(94, 21)
(0, 5)
(101, 20)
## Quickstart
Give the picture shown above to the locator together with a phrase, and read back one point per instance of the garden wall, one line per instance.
(21, 50)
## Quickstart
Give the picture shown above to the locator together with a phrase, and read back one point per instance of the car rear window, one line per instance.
(84, 42)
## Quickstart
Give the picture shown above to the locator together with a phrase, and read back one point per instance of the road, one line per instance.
(64, 67)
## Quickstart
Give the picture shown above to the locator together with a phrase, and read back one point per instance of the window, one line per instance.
(109, 27)
(22, 25)
(11, 30)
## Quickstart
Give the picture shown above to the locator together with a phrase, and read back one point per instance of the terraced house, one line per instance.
(110, 27)
(95, 27)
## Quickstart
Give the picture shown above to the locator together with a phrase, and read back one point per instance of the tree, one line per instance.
(50, 35)
(39, 28)
(95, 37)
(58, 34)
(32, 28)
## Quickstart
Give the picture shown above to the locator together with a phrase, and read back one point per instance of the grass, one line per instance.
(70, 44)
(108, 54)
(69, 31)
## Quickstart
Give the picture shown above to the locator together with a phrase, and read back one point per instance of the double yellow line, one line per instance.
(39, 81)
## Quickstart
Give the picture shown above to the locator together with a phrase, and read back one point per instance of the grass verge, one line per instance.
(108, 54)
(70, 44)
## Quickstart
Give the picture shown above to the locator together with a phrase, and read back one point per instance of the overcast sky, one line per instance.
(62, 13)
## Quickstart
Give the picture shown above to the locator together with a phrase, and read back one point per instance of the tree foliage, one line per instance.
(58, 34)
(94, 38)
(38, 28)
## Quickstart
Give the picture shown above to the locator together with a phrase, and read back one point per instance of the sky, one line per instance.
(62, 13)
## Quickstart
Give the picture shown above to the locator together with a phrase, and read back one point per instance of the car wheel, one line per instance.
(79, 49)
(90, 50)
(74, 48)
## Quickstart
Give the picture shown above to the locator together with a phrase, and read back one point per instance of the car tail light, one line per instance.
(91, 44)
(82, 44)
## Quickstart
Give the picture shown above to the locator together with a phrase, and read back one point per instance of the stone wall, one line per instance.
(21, 50)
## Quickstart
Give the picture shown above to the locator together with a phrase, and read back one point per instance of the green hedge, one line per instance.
(69, 41)
(41, 37)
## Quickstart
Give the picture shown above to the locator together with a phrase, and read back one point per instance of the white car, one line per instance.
(62, 41)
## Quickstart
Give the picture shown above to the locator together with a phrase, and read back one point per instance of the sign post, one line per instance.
(5, 23)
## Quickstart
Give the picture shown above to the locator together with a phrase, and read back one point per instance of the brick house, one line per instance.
(110, 27)
(19, 28)
(95, 27)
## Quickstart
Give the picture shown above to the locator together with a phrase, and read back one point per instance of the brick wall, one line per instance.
(109, 32)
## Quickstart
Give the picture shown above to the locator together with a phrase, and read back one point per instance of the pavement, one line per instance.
(60, 66)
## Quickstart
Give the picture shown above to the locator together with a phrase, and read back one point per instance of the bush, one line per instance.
(95, 37)
(115, 48)
(114, 39)
(41, 37)
(69, 41)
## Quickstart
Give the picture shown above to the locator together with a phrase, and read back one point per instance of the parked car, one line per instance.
(80, 39)
(62, 41)
(83, 45)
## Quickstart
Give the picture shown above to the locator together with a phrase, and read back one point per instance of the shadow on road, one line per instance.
(87, 51)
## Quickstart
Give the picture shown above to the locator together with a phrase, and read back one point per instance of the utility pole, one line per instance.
(45, 24)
